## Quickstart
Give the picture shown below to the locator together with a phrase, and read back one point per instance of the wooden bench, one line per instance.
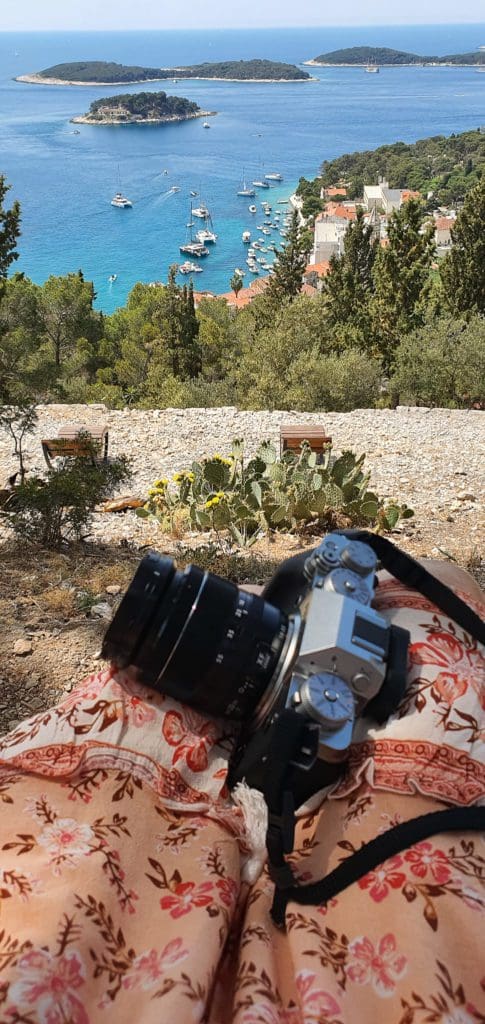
(77, 441)
(291, 437)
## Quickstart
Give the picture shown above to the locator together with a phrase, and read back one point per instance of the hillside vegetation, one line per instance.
(149, 106)
(448, 167)
(104, 72)
(100, 71)
(386, 55)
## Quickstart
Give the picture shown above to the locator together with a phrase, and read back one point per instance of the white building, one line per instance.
(382, 198)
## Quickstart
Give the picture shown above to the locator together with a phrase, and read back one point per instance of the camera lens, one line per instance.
(197, 637)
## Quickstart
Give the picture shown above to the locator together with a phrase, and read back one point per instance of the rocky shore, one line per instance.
(432, 459)
(134, 119)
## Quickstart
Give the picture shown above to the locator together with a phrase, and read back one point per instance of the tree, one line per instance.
(289, 267)
(350, 284)
(236, 284)
(442, 364)
(401, 276)
(463, 270)
(67, 314)
(9, 231)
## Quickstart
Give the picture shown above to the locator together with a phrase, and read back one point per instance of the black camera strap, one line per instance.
(414, 575)
(370, 856)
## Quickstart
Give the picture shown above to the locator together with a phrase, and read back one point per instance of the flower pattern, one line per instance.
(384, 878)
(46, 984)
(461, 666)
(382, 966)
(191, 736)
(67, 841)
(149, 968)
(424, 860)
(187, 895)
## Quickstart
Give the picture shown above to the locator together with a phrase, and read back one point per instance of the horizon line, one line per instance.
(239, 28)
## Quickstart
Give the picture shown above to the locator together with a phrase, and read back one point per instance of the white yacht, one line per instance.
(261, 184)
(206, 124)
(253, 209)
(371, 69)
(121, 201)
(239, 273)
(274, 176)
(246, 237)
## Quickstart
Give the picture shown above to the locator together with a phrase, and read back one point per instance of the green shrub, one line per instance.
(57, 508)
(249, 499)
(442, 364)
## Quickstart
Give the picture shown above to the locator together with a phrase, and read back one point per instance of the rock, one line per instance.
(465, 496)
(102, 610)
(114, 588)
(22, 647)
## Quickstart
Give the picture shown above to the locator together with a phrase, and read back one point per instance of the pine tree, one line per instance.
(463, 270)
(350, 284)
(289, 266)
(9, 231)
(402, 280)
(236, 284)
(190, 356)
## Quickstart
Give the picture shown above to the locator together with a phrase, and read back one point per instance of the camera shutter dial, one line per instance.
(327, 699)
(359, 557)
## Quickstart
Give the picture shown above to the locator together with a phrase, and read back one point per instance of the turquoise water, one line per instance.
(65, 182)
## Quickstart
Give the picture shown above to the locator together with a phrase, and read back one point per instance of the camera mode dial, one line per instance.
(327, 699)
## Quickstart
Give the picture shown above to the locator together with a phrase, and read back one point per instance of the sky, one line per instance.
(33, 15)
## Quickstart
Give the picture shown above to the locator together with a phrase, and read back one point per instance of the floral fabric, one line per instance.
(121, 897)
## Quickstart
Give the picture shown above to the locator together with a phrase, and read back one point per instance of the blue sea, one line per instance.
(65, 181)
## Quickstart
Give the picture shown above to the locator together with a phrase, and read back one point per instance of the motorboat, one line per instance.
(190, 268)
(274, 176)
(206, 124)
(174, 188)
(121, 201)
(246, 237)
(194, 194)
(253, 209)
(261, 184)
(112, 278)
(239, 273)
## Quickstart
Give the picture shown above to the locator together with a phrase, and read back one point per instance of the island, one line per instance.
(108, 73)
(141, 108)
(360, 56)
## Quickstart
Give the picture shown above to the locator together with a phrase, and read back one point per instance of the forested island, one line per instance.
(108, 73)
(384, 55)
(442, 168)
(141, 108)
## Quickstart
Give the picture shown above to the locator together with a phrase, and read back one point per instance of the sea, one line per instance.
(65, 181)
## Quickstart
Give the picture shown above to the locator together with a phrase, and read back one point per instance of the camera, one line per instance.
(311, 645)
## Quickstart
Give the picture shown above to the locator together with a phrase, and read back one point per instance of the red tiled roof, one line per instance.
(318, 268)
(409, 193)
(335, 190)
(245, 295)
(442, 223)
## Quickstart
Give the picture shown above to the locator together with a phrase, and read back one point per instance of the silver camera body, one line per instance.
(341, 658)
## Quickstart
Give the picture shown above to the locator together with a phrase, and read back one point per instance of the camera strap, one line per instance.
(414, 575)
(370, 856)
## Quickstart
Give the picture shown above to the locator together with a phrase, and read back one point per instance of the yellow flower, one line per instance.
(221, 459)
(161, 483)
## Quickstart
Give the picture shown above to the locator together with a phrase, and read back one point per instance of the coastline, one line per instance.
(38, 80)
(415, 64)
(86, 119)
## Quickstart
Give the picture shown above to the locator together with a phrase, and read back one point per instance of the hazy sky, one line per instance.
(31, 15)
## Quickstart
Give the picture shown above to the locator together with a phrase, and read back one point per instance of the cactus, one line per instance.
(268, 493)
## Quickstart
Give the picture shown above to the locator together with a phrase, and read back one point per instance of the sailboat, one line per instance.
(245, 189)
(371, 68)
(192, 248)
(119, 199)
